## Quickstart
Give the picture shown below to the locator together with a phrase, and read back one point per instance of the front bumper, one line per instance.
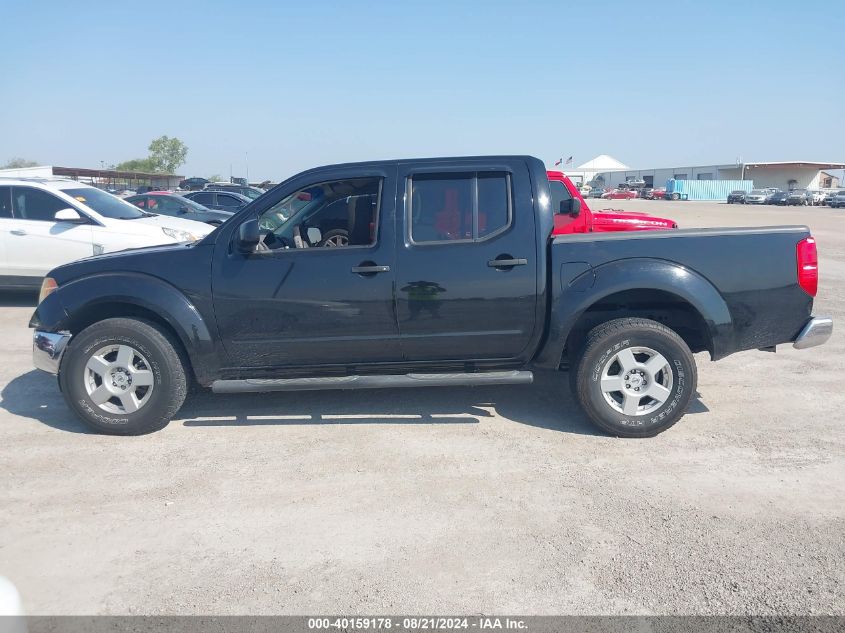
(816, 332)
(47, 350)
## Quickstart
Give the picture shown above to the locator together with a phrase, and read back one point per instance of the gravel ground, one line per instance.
(485, 500)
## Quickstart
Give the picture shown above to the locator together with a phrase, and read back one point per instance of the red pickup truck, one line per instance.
(583, 220)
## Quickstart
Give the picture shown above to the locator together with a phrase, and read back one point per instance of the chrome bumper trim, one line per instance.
(47, 350)
(815, 332)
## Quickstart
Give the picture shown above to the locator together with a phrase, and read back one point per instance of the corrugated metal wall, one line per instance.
(707, 189)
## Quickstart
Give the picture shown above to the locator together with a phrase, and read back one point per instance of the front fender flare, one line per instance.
(134, 289)
(570, 300)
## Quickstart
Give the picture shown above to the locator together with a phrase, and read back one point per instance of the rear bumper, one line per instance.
(816, 332)
(47, 350)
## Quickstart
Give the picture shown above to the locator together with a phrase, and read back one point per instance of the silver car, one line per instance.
(758, 196)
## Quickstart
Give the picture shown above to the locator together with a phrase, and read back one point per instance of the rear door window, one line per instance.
(458, 207)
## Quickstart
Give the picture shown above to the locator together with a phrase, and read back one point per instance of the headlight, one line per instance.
(47, 286)
(179, 236)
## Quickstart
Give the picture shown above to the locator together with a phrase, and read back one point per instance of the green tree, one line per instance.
(214, 178)
(17, 163)
(167, 154)
(136, 164)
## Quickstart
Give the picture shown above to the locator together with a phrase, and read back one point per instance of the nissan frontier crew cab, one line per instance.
(448, 275)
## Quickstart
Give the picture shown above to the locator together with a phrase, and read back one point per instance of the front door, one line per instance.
(466, 263)
(316, 293)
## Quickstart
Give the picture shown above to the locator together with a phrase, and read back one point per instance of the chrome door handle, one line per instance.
(507, 263)
(17, 232)
(364, 270)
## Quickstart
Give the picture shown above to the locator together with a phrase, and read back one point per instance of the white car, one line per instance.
(48, 222)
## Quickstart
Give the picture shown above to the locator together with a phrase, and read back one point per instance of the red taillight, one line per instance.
(808, 265)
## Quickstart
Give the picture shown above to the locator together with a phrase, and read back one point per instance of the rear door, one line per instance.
(466, 268)
(228, 202)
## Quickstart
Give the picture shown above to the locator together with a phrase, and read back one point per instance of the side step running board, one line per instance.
(373, 382)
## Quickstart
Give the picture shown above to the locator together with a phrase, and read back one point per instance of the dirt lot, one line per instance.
(478, 500)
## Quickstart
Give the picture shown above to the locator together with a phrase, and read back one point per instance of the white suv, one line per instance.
(48, 222)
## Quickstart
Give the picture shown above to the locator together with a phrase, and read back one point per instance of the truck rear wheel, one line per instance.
(635, 377)
(123, 377)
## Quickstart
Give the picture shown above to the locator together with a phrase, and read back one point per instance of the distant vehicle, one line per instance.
(837, 200)
(143, 189)
(596, 192)
(49, 222)
(651, 193)
(797, 197)
(219, 200)
(635, 183)
(736, 197)
(779, 198)
(573, 215)
(250, 192)
(815, 196)
(193, 184)
(620, 194)
(166, 203)
(758, 196)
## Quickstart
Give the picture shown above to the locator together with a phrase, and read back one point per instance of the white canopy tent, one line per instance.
(602, 163)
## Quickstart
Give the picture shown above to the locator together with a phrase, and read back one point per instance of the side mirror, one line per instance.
(570, 207)
(248, 236)
(68, 215)
(314, 235)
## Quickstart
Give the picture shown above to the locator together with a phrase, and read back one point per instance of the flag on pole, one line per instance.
(559, 161)
(569, 160)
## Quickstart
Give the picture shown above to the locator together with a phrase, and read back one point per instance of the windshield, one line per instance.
(759, 192)
(105, 204)
(252, 193)
(798, 192)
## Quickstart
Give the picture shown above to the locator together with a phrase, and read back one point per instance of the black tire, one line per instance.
(676, 196)
(607, 340)
(158, 349)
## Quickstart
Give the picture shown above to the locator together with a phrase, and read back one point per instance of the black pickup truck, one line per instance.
(430, 272)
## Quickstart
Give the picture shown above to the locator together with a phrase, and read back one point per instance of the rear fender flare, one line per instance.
(571, 300)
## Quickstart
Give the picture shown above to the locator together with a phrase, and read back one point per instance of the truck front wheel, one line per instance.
(124, 376)
(635, 377)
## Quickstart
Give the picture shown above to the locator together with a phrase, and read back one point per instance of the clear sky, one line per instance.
(298, 84)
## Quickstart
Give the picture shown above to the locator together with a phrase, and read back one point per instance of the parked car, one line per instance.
(250, 192)
(166, 203)
(457, 282)
(797, 197)
(779, 198)
(619, 194)
(815, 196)
(837, 200)
(758, 196)
(736, 197)
(573, 215)
(193, 184)
(219, 200)
(596, 192)
(48, 222)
